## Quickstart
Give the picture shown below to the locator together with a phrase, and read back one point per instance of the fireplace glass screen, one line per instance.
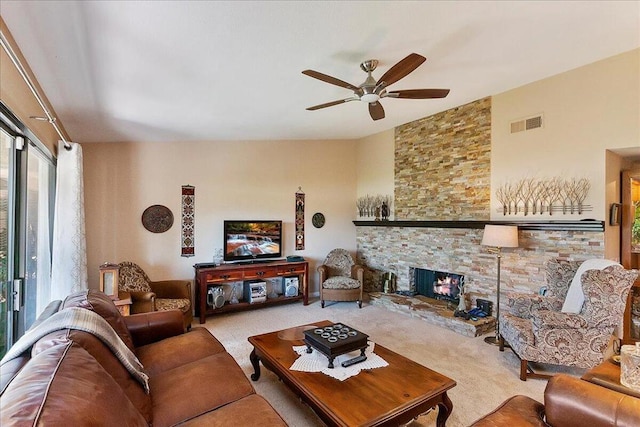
(438, 284)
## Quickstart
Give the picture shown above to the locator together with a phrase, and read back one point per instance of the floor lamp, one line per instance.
(498, 237)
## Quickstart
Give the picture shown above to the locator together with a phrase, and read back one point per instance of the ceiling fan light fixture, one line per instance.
(370, 97)
(372, 90)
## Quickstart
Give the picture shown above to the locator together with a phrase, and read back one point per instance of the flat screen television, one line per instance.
(252, 240)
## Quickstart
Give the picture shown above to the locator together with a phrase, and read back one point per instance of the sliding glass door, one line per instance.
(6, 150)
(37, 253)
(27, 175)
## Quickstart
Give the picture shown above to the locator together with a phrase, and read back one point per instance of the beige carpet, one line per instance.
(485, 377)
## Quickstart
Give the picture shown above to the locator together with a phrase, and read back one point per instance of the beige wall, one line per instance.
(586, 111)
(233, 180)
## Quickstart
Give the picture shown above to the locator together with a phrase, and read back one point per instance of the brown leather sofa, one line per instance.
(607, 374)
(568, 402)
(71, 378)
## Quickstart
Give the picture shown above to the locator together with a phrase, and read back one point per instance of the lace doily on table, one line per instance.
(318, 362)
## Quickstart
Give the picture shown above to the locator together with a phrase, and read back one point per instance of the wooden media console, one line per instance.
(207, 276)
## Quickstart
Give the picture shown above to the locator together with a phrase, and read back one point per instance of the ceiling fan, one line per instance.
(371, 91)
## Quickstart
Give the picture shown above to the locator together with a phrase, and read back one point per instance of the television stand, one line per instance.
(207, 276)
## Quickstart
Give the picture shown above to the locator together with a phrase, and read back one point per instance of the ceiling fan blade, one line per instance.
(418, 93)
(329, 79)
(401, 69)
(329, 104)
(376, 111)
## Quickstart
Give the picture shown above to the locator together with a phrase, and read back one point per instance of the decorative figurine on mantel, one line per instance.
(384, 211)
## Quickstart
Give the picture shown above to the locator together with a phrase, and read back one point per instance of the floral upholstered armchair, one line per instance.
(147, 295)
(340, 278)
(538, 330)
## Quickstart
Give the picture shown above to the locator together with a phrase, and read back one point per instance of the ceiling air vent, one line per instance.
(529, 123)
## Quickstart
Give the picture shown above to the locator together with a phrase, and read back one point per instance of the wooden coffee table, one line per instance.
(387, 396)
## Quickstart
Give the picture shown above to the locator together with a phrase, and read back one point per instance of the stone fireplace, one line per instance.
(400, 248)
(387, 247)
(442, 200)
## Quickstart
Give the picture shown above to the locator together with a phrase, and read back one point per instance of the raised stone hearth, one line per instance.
(434, 311)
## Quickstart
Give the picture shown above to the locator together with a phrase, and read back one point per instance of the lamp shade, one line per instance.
(500, 236)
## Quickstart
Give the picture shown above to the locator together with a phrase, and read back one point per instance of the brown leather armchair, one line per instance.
(568, 402)
(147, 295)
(340, 278)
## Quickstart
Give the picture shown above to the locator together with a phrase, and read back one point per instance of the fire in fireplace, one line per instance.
(437, 284)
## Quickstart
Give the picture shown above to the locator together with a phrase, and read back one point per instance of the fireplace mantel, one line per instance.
(585, 225)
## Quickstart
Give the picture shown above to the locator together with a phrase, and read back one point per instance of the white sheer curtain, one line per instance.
(69, 261)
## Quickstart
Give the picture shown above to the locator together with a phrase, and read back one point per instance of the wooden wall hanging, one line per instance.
(188, 220)
(299, 219)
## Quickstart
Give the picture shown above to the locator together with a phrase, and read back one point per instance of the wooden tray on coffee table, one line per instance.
(334, 340)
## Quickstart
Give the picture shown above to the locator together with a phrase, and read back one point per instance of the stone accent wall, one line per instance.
(443, 172)
(442, 165)
(459, 251)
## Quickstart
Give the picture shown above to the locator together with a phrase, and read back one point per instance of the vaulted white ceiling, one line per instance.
(217, 70)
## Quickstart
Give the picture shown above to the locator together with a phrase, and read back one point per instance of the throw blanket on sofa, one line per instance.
(87, 321)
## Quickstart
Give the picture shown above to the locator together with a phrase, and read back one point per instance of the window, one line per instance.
(27, 177)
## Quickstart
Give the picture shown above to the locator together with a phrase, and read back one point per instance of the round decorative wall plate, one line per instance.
(157, 218)
(317, 220)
